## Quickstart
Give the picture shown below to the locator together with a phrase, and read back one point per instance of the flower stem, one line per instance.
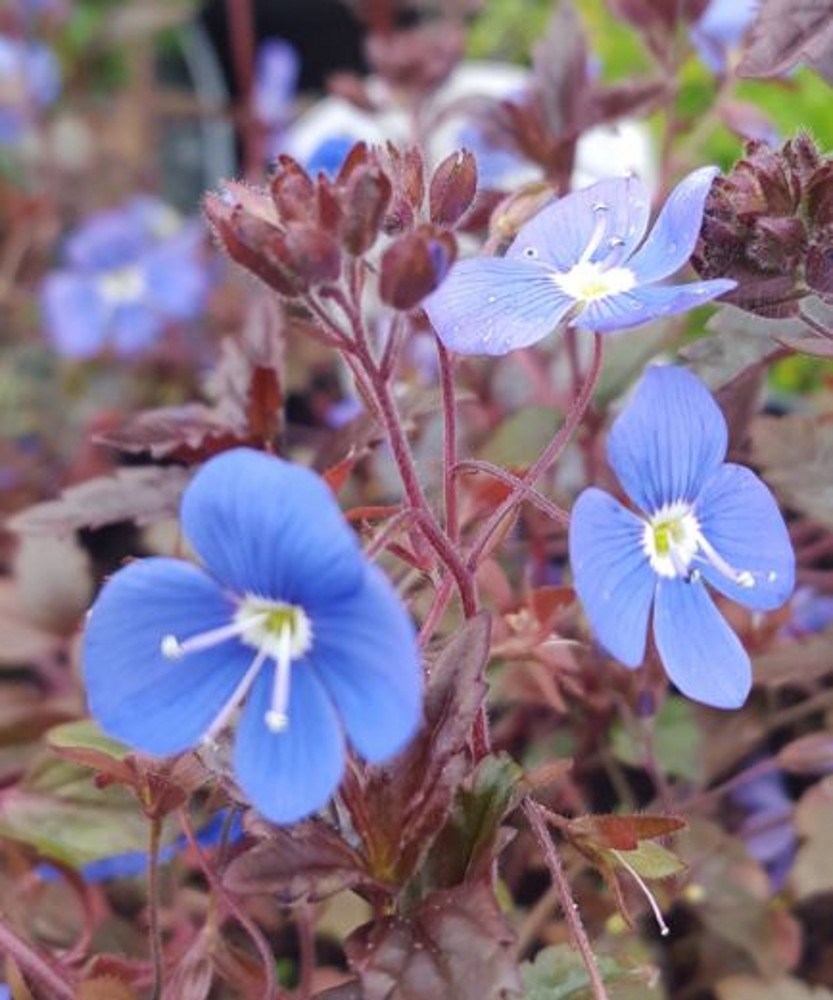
(545, 459)
(58, 985)
(154, 931)
(452, 520)
(559, 880)
(270, 987)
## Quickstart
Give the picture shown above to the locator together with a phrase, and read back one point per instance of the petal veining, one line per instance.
(271, 529)
(672, 239)
(137, 694)
(700, 652)
(561, 233)
(669, 439)
(365, 654)
(611, 573)
(289, 774)
(491, 305)
(741, 520)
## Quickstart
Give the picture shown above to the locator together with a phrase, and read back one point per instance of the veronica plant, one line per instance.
(129, 272)
(700, 521)
(288, 616)
(579, 261)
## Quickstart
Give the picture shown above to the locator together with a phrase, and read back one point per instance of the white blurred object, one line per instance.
(622, 148)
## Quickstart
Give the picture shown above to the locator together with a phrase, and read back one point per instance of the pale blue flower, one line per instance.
(582, 259)
(700, 520)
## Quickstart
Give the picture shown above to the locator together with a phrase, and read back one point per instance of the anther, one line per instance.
(600, 209)
(742, 577)
(277, 717)
(174, 649)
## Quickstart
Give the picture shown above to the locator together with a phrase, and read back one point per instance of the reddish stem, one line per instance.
(36, 966)
(452, 519)
(545, 459)
(241, 27)
(533, 813)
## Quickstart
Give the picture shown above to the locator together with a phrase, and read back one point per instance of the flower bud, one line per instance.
(414, 265)
(453, 188)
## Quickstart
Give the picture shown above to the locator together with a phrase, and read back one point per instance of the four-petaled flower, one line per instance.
(577, 260)
(131, 271)
(701, 521)
(288, 617)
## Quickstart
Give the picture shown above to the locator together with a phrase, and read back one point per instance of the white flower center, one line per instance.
(673, 541)
(590, 279)
(277, 631)
(586, 281)
(122, 287)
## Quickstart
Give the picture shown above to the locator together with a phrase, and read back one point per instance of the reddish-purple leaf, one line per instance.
(785, 33)
(454, 944)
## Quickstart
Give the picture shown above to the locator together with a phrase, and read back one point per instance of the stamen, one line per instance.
(227, 711)
(742, 577)
(173, 649)
(600, 209)
(277, 718)
(664, 929)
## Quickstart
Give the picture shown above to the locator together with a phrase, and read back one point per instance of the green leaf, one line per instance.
(521, 438)
(558, 973)
(85, 735)
(677, 742)
(58, 810)
(650, 860)
(471, 840)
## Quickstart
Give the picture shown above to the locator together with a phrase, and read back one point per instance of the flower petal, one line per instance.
(133, 328)
(611, 573)
(741, 521)
(668, 440)
(494, 305)
(673, 236)
(154, 703)
(177, 279)
(365, 653)
(269, 528)
(74, 314)
(700, 653)
(290, 774)
(641, 305)
(561, 233)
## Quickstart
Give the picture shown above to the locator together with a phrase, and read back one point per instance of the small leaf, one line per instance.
(452, 188)
(650, 860)
(558, 973)
(677, 741)
(623, 832)
(454, 944)
(784, 33)
(305, 861)
(143, 494)
(404, 805)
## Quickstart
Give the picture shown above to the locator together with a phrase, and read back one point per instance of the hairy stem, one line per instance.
(270, 987)
(35, 966)
(154, 931)
(452, 520)
(545, 459)
(559, 880)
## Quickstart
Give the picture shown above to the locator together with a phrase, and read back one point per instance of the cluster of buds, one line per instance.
(303, 235)
(769, 225)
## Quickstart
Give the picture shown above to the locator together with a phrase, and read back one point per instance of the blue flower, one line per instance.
(578, 260)
(277, 68)
(768, 829)
(130, 272)
(30, 80)
(701, 520)
(130, 864)
(329, 155)
(721, 29)
(288, 617)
